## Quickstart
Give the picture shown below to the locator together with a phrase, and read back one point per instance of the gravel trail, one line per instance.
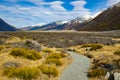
(77, 70)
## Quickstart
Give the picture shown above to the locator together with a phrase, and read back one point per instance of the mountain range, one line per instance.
(105, 21)
(58, 25)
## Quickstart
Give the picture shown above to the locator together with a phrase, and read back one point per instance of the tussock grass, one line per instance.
(92, 46)
(24, 73)
(47, 50)
(117, 53)
(96, 73)
(57, 62)
(49, 70)
(25, 53)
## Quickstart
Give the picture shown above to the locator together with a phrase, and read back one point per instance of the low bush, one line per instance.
(34, 45)
(96, 73)
(47, 50)
(92, 46)
(117, 53)
(57, 62)
(28, 44)
(23, 73)
(49, 70)
(22, 52)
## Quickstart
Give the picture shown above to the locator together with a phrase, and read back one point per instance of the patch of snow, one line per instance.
(40, 24)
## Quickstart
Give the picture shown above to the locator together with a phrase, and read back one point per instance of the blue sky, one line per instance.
(22, 13)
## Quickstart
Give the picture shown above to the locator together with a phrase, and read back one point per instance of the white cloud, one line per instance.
(112, 2)
(24, 8)
(56, 5)
(79, 5)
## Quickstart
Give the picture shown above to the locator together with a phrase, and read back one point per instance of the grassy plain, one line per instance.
(58, 43)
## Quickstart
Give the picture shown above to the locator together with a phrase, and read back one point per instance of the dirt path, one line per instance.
(77, 70)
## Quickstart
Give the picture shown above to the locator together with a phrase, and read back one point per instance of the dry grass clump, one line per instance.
(47, 50)
(96, 73)
(54, 55)
(54, 58)
(117, 52)
(92, 46)
(23, 73)
(28, 54)
(58, 62)
(49, 70)
(1, 47)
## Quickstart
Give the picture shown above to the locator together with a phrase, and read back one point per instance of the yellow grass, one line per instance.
(5, 57)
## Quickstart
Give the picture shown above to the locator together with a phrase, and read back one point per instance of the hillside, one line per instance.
(107, 20)
(6, 27)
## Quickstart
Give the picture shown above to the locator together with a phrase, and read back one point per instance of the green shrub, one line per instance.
(55, 61)
(22, 52)
(97, 73)
(23, 73)
(92, 46)
(47, 50)
(49, 70)
(117, 53)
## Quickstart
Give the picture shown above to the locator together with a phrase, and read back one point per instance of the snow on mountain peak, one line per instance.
(96, 14)
(118, 5)
(82, 19)
(40, 24)
(87, 17)
(61, 22)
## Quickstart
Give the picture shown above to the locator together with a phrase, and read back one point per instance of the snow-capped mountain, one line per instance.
(106, 20)
(82, 19)
(59, 25)
(61, 22)
(79, 20)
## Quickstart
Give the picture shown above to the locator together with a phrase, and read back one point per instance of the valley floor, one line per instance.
(102, 48)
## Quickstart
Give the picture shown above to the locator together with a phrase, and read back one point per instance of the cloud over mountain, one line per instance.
(43, 11)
